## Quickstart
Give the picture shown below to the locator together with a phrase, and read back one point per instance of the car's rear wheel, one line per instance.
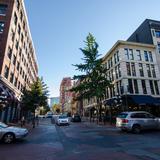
(8, 138)
(136, 129)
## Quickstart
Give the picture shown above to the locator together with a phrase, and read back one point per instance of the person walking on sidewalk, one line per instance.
(22, 121)
(33, 122)
(37, 120)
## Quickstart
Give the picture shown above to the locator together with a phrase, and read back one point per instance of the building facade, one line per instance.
(54, 100)
(65, 94)
(148, 32)
(133, 70)
(18, 62)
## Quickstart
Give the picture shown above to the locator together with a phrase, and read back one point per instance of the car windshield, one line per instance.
(122, 115)
(61, 117)
(2, 125)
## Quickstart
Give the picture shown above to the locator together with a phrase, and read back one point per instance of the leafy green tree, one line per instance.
(35, 97)
(93, 81)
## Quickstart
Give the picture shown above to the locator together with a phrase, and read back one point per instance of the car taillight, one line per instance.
(124, 120)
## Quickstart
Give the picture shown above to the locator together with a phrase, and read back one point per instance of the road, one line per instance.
(82, 141)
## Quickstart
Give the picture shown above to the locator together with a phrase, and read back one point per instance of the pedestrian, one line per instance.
(22, 121)
(33, 122)
(37, 120)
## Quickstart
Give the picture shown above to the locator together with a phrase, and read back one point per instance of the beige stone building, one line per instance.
(133, 70)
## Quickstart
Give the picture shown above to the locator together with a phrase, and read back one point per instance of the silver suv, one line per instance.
(137, 121)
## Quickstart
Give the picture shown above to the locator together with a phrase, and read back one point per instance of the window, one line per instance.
(18, 85)
(21, 16)
(9, 53)
(20, 52)
(126, 53)
(157, 34)
(115, 58)
(24, 25)
(144, 86)
(138, 115)
(14, 60)
(139, 57)
(19, 29)
(111, 62)
(128, 68)
(6, 72)
(11, 77)
(150, 57)
(22, 57)
(116, 72)
(153, 71)
(119, 70)
(117, 85)
(18, 4)
(151, 87)
(131, 54)
(12, 35)
(22, 38)
(136, 86)
(18, 66)
(130, 86)
(156, 87)
(17, 44)
(1, 27)
(146, 56)
(133, 69)
(112, 75)
(141, 73)
(3, 9)
(15, 19)
(148, 70)
(20, 70)
(15, 82)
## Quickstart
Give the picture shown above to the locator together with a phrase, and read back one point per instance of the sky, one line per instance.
(59, 28)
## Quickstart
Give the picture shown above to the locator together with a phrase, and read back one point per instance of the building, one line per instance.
(54, 100)
(18, 62)
(65, 94)
(148, 32)
(133, 67)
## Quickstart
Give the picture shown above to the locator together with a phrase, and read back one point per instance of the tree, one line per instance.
(93, 81)
(36, 96)
(56, 108)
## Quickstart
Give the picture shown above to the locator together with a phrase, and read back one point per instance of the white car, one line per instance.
(9, 133)
(62, 120)
(137, 121)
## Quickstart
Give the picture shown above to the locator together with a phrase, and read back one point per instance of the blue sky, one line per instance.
(59, 28)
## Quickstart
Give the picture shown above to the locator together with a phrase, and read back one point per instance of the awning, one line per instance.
(109, 102)
(144, 99)
(6, 92)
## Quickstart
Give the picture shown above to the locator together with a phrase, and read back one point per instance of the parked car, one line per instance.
(49, 115)
(62, 120)
(41, 116)
(76, 118)
(137, 121)
(9, 133)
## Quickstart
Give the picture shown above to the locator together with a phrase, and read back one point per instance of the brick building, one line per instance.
(65, 94)
(18, 63)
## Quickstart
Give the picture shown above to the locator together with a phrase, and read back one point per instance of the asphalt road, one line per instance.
(82, 141)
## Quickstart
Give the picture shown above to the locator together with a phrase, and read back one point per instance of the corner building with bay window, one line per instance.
(18, 62)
